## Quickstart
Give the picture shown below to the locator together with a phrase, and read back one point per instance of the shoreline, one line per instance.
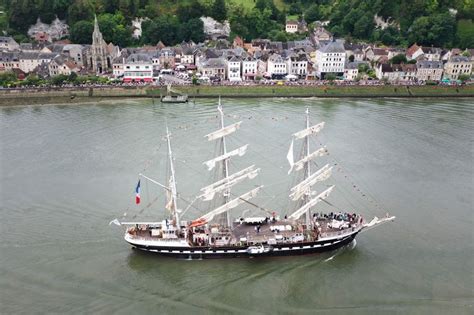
(56, 95)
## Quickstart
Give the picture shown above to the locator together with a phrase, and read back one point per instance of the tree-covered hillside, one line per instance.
(446, 23)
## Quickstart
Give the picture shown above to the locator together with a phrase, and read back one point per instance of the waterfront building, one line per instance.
(298, 65)
(456, 66)
(429, 70)
(213, 68)
(331, 59)
(138, 67)
(30, 60)
(233, 69)
(62, 65)
(249, 68)
(351, 70)
(276, 67)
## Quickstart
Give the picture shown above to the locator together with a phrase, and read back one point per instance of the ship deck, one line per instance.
(249, 232)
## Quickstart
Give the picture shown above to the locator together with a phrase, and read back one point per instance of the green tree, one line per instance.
(21, 14)
(312, 13)
(187, 11)
(7, 78)
(219, 10)
(81, 32)
(191, 30)
(435, 30)
(463, 77)
(110, 6)
(80, 10)
(398, 59)
(465, 34)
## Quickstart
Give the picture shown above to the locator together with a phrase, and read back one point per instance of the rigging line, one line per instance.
(255, 205)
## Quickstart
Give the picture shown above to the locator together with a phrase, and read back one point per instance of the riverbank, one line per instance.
(10, 97)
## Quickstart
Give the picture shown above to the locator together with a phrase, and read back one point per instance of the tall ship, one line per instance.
(217, 234)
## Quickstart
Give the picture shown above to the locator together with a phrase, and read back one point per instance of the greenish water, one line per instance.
(66, 171)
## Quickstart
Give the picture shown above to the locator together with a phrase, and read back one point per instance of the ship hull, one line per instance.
(206, 252)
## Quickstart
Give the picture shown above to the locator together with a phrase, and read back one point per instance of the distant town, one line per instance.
(316, 59)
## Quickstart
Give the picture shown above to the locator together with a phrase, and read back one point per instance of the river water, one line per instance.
(67, 171)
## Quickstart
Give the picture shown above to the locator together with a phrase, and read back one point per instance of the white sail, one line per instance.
(290, 158)
(223, 131)
(230, 205)
(295, 215)
(309, 131)
(229, 178)
(299, 190)
(240, 152)
(226, 183)
(320, 152)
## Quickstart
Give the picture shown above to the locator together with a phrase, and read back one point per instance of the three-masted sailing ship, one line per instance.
(215, 234)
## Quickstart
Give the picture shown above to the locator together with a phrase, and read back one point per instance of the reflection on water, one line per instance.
(67, 171)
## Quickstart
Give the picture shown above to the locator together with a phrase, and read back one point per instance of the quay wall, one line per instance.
(84, 94)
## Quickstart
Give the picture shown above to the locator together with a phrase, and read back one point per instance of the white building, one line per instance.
(138, 68)
(291, 26)
(233, 69)
(331, 59)
(277, 67)
(29, 61)
(62, 65)
(249, 68)
(298, 65)
(352, 70)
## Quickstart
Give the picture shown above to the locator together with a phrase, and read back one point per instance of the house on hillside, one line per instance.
(414, 52)
(8, 43)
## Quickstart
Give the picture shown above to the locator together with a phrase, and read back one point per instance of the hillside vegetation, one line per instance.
(446, 23)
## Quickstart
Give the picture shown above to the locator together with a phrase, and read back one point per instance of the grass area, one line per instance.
(322, 91)
(249, 4)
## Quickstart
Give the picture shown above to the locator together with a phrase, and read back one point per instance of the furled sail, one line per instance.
(295, 215)
(226, 183)
(320, 152)
(226, 207)
(240, 152)
(299, 190)
(223, 131)
(309, 131)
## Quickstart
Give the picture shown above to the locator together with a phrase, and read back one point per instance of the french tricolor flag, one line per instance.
(137, 193)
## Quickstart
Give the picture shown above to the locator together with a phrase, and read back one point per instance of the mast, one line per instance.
(174, 194)
(303, 190)
(307, 172)
(225, 164)
(223, 185)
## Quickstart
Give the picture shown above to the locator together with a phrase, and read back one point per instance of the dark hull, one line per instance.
(241, 251)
